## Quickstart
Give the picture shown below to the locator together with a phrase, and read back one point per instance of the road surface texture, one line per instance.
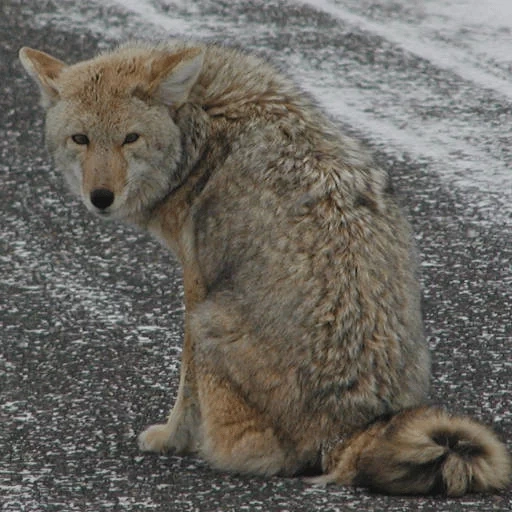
(91, 312)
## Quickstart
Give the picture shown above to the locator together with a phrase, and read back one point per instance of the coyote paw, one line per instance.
(155, 438)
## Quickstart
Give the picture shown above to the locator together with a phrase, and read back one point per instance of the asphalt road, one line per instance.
(91, 313)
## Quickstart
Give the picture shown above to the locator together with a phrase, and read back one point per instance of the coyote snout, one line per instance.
(104, 174)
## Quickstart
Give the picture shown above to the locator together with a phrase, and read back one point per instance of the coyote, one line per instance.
(304, 348)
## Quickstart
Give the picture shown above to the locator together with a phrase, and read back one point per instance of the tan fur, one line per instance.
(302, 323)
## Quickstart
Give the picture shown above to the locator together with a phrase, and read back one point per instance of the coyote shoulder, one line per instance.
(303, 348)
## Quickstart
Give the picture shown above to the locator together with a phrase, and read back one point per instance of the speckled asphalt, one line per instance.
(91, 313)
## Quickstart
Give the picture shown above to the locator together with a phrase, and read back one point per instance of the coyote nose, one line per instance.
(102, 198)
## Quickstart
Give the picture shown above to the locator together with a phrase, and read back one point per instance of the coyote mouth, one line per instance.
(99, 212)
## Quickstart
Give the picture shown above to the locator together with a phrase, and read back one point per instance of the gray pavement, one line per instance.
(91, 312)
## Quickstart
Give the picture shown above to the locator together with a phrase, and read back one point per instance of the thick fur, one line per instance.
(303, 320)
(420, 451)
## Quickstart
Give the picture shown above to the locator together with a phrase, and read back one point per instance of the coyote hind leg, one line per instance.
(235, 437)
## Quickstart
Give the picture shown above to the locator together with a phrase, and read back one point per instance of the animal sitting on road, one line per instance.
(304, 347)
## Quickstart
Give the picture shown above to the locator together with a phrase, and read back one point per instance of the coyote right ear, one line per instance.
(44, 69)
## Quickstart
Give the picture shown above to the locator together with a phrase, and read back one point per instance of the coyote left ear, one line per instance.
(44, 69)
(173, 76)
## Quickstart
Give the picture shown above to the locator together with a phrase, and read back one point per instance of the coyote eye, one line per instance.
(80, 138)
(131, 137)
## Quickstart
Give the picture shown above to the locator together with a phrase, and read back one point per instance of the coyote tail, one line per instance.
(421, 451)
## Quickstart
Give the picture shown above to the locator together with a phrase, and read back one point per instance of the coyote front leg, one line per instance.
(180, 433)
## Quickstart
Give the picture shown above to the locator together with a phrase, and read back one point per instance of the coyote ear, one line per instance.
(44, 69)
(173, 76)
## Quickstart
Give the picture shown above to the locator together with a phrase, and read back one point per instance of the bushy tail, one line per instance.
(422, 451)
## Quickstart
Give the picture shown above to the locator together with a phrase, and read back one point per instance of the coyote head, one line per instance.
(109, 122)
